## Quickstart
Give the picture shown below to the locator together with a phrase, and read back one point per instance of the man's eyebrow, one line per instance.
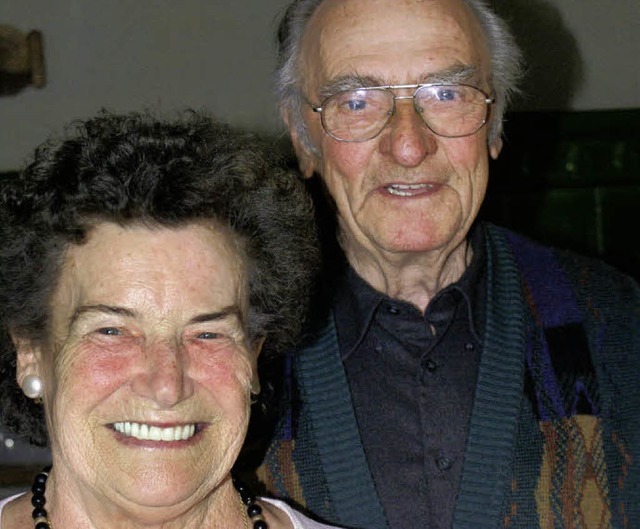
(348, 82)
(459, 73)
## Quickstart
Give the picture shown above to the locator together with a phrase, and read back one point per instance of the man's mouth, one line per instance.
(145, 432)
(408, 190)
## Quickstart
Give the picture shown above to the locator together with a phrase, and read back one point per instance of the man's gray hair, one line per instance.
(506, 64)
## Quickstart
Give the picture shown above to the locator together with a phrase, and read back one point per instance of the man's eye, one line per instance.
(447, 94)
(208, 336)
(356, 104)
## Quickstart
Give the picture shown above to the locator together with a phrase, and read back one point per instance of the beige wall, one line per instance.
(130, 54)
(608, 38)
(582, 54)
(218, 54)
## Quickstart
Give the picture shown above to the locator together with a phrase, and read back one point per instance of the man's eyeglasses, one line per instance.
(449, 110)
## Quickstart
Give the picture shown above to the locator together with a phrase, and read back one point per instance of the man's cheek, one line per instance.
(346, 159)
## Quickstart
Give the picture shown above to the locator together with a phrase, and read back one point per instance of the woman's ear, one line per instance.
(28, 359)
(256, 348)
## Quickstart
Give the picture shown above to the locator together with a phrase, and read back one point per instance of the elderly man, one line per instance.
(465, 376)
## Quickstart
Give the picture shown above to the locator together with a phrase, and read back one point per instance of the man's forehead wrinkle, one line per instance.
(452, 17)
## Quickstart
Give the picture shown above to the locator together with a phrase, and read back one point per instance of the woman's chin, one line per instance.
(162, 484)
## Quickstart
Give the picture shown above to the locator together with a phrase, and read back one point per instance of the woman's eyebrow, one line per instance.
(228, 312)
(222, 314)
(101, 308)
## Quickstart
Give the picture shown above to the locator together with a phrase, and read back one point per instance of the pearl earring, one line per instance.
(32, 386)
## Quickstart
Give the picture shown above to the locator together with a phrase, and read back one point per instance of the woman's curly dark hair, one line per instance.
(137, 168)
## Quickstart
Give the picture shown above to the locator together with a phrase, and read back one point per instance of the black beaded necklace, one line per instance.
(38, 500)
(253, 509)
(41, 518)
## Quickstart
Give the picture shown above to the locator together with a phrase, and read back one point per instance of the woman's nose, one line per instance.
(163, 377)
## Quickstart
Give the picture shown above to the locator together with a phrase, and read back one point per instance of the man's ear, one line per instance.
(28, 358)
(307, 161)
(495, 147)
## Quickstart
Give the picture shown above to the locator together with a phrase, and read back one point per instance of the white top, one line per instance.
(299, 520)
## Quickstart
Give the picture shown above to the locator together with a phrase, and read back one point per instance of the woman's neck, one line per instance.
(66, 507)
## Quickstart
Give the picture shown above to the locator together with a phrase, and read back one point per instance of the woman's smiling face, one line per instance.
(148, 370)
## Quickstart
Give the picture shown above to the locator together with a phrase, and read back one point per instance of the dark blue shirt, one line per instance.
(412, 378)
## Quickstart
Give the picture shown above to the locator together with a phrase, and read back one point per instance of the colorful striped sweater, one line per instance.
(554, 435)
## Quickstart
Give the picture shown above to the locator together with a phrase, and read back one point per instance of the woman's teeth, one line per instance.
(144, 432)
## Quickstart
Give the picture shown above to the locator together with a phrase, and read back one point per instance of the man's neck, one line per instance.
(415, 278)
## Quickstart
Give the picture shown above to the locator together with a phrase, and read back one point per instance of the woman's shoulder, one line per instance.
(299, 520)
(15, 511)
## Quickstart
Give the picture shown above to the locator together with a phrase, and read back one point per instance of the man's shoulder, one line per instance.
(587, 271)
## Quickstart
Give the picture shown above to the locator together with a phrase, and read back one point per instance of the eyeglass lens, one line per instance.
(448, 110)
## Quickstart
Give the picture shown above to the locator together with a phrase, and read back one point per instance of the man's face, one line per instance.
(406, 190)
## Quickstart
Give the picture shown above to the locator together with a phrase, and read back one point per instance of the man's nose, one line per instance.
(163, 377)
(409, 141)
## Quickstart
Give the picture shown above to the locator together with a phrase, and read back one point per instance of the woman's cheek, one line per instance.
(96, 365)
(220, 363)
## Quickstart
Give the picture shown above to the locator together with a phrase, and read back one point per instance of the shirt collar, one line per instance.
(356, 301)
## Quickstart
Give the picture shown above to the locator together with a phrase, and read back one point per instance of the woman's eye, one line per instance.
(109, 331)
(208, 335)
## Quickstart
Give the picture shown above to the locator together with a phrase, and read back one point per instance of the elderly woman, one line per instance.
(144, 265)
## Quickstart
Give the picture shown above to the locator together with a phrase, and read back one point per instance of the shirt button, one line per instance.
(444, 463)
(430, 365)
(393, 310)
(469, 346)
